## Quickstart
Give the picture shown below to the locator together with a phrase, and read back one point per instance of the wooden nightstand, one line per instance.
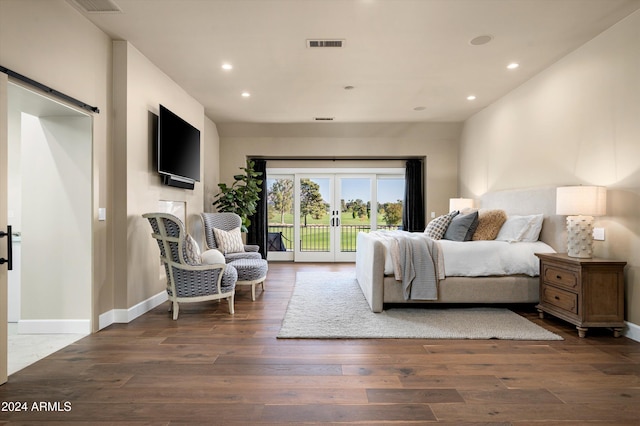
(585, 292)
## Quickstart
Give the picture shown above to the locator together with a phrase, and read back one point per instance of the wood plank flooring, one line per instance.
(211, 368)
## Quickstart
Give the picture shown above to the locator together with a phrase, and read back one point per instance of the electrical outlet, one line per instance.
(102, 214)
(598, 234)
(433, 215)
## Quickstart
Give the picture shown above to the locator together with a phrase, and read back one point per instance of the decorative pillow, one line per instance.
(192, 251)
(532, 233)
(489, 224)
(473, 227)
(462, 227)
(229, 242)
(513, 228)
(438, 226)
(521, 228)
(213, 257)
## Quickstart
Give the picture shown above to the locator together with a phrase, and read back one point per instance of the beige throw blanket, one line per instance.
(417, 264)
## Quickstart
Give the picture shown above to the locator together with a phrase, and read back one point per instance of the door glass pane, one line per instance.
(355, 210)
(280, 210)
(390, 202)
(315, 214)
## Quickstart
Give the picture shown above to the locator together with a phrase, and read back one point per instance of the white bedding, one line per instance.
(485, 258)
(479, 258)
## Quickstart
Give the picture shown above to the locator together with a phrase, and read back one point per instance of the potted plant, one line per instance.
(242, 196)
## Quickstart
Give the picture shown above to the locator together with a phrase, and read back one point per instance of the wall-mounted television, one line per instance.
(178, 150)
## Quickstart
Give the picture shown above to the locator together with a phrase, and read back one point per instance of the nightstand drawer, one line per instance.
(561, 277)
(564, 300)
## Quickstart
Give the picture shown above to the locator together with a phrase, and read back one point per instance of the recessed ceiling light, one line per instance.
(471, 97)
(227, 67)
(480, 40)
(246, 94)
(513, 66)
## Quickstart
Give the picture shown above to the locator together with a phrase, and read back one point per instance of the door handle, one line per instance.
(9, 259)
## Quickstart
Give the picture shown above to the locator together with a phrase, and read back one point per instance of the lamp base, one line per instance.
(580, 236)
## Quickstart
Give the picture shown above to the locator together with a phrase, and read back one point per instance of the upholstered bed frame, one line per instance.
(379, 289)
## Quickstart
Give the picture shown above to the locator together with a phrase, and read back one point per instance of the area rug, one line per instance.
(332, 306)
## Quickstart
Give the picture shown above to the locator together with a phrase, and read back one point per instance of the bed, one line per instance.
(380, 288)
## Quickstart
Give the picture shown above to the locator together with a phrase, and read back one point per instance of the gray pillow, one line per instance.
(462, 227)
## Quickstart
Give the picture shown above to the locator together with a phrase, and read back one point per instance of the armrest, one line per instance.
(251, 248)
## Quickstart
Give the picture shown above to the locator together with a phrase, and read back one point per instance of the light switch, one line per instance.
(598, 234)
(102, 214)
(433, 214)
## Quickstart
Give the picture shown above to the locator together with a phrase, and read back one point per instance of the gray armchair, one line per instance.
(226, 222)
(188, 280)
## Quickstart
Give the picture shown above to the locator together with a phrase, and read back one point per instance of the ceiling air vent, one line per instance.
(97, 6)
(323, 118)
(325, 43)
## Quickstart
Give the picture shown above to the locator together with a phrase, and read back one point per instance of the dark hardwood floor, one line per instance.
(211, 368)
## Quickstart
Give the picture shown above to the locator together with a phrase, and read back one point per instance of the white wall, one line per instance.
(56, 221)
(578, 122)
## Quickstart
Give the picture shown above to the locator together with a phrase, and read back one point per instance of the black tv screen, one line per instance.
(178, 147)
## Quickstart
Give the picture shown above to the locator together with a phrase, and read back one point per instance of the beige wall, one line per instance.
(50, 42)
(210, 163)
(139, 88)
(578, 122)
(438, 142)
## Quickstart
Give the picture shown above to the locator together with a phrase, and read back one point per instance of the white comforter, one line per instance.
(481, 258)
(484, 258)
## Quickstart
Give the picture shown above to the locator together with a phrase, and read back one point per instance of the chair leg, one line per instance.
(175, 310)
(253, 292)
(230, 300)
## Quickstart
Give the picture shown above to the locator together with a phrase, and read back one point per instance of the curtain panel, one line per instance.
(413, 212)
(257, 231)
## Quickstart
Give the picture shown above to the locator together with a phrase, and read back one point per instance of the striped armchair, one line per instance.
(226, 222)
(188, 279)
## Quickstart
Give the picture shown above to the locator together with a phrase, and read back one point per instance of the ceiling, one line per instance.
(407, 60)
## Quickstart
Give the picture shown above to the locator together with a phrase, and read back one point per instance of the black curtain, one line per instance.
(413, 213)
(257, 232)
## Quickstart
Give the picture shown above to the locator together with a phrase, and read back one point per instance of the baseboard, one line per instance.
(54, 327)
(124, 316)
(632, 331)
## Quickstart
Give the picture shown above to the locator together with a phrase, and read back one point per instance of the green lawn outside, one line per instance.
(316, 238)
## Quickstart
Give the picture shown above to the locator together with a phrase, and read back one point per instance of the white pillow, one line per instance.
(229, 242)
(521, 228)
(192, 251)
(532, 234)
(212, 257)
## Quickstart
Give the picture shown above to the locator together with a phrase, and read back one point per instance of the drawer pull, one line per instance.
(558, 277)
(556, 297)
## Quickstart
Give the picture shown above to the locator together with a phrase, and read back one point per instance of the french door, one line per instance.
(332, 208)
(315, 215)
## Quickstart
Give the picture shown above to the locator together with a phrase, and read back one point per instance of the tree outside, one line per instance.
(311, 202)
(392, 213)
(280, 197)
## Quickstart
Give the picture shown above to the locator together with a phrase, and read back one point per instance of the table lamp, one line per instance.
(580, 204)
(460, 204)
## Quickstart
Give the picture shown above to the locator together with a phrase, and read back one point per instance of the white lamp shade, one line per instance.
(581, 200)
(460, 204)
